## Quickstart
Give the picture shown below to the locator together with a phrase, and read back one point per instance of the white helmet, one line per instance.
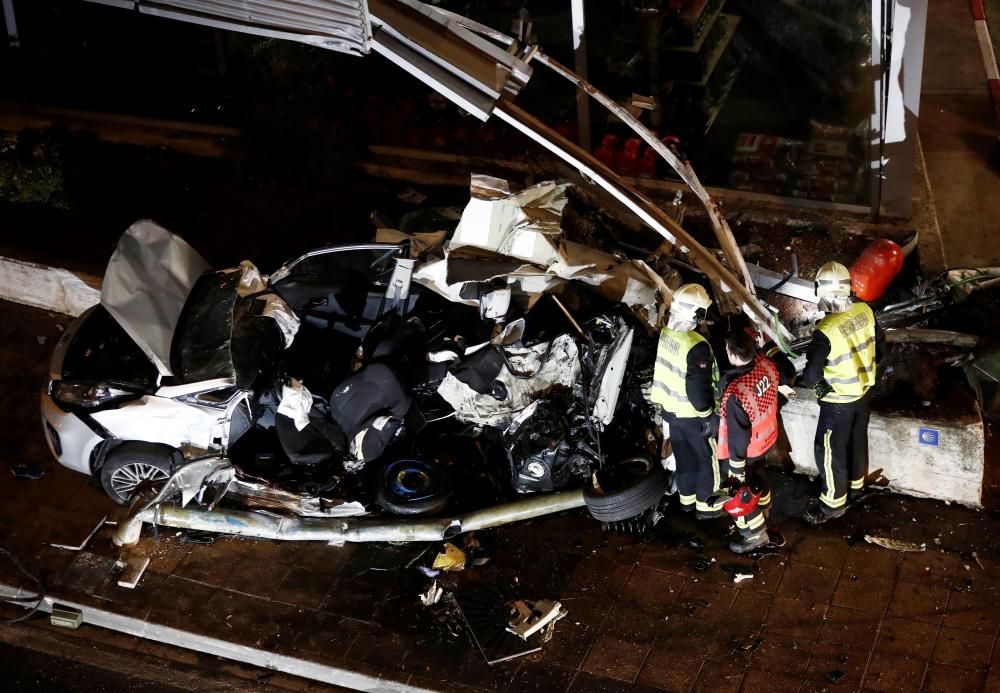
(833, 280)
(688, 300)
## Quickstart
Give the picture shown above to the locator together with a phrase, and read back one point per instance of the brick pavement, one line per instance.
(658, 615)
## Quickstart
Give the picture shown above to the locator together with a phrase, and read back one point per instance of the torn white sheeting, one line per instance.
(147, 281)
(250, 282)
(283, 315)
(526, 226)
(296, 401)
(560, 368)
(611, 381)
(420, 243)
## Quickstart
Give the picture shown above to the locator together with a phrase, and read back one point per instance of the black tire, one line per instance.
(136, 460)
(439, 490)
(632, 487)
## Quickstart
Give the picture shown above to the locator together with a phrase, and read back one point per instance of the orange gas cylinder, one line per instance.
(878, 265)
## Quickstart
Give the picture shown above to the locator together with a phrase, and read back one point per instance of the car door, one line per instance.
(341, 287)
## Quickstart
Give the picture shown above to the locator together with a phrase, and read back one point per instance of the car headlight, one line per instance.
(88, 395)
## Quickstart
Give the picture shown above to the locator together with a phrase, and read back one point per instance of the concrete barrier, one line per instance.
(931, 458)
(50, 288)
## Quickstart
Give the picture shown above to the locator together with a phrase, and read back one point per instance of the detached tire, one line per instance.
(133, 463)
(413, 487)
(632, 487)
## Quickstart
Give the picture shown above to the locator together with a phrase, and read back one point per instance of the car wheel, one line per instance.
(413, 487)
(626, 489)
(132, 464)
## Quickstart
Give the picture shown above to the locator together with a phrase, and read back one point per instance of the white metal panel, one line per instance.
(340, 25)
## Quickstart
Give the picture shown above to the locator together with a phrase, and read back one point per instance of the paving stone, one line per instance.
(781, 655)
(864, 592)
(652, 589)
(576, 633)
(706, 600)
(670, 559)
(585, 682)
(750, 609)
(633, 624)
(357, 599)
(903, 637)
(820, 549)
(978, 611)
(667, 672)
(686, 636)
(86, 572)
(919, 601)
(830, 661)
(867, 559)
(593, 576)
(720, 676)
(257, 578)
(808, 582)
(206, 563)
(769, 682)
(936, 567)
(892, 673)
(946, 679)
(795, 618)
(325, 637)
(768, 576)
(541, 677)
(962, 648)
(849, 627)
(304, 587)
(615, 658)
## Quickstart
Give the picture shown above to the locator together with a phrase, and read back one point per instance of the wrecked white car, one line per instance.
(459, 369)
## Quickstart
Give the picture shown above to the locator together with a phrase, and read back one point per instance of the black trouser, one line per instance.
(698, 474)
(842, 449)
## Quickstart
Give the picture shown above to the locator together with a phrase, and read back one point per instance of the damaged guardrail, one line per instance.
(208, 480)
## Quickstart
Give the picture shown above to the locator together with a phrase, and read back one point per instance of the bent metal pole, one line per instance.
(341, 530)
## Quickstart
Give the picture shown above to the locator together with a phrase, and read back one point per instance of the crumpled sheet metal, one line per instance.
(561, 368)
(146, 283)
(525, 226)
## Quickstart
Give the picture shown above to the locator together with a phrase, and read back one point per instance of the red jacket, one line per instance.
(757, 393)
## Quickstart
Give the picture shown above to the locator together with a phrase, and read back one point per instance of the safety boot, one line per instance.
(818, 513)
(748, 544)
(709, 514)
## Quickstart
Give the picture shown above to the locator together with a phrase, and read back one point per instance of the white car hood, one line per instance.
(147, 281)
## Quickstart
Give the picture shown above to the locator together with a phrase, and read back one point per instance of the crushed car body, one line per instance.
(493, 375)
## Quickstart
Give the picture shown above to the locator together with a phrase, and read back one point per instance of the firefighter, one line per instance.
(748, 428)
(841, 369)
(684, 385)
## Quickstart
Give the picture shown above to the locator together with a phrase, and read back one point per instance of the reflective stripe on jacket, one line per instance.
(757, 392)
(850, 367)
(670, 373)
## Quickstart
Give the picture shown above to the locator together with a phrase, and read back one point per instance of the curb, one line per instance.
(989, 55)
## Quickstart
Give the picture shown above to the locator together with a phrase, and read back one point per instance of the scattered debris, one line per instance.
(41, 340)
(486, 613)
(528, 618)
(740, 577)
(432, 596)
(132, 569)
(895, 544)
(31, 472)
(978, 561)
(429, 572)
(835, 676)
(64, 616)
(453, 558)
(86, 539)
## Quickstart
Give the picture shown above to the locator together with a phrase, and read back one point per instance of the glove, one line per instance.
(822, 388)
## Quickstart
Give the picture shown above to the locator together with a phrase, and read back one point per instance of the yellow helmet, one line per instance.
(688, 300)
(833, 280)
